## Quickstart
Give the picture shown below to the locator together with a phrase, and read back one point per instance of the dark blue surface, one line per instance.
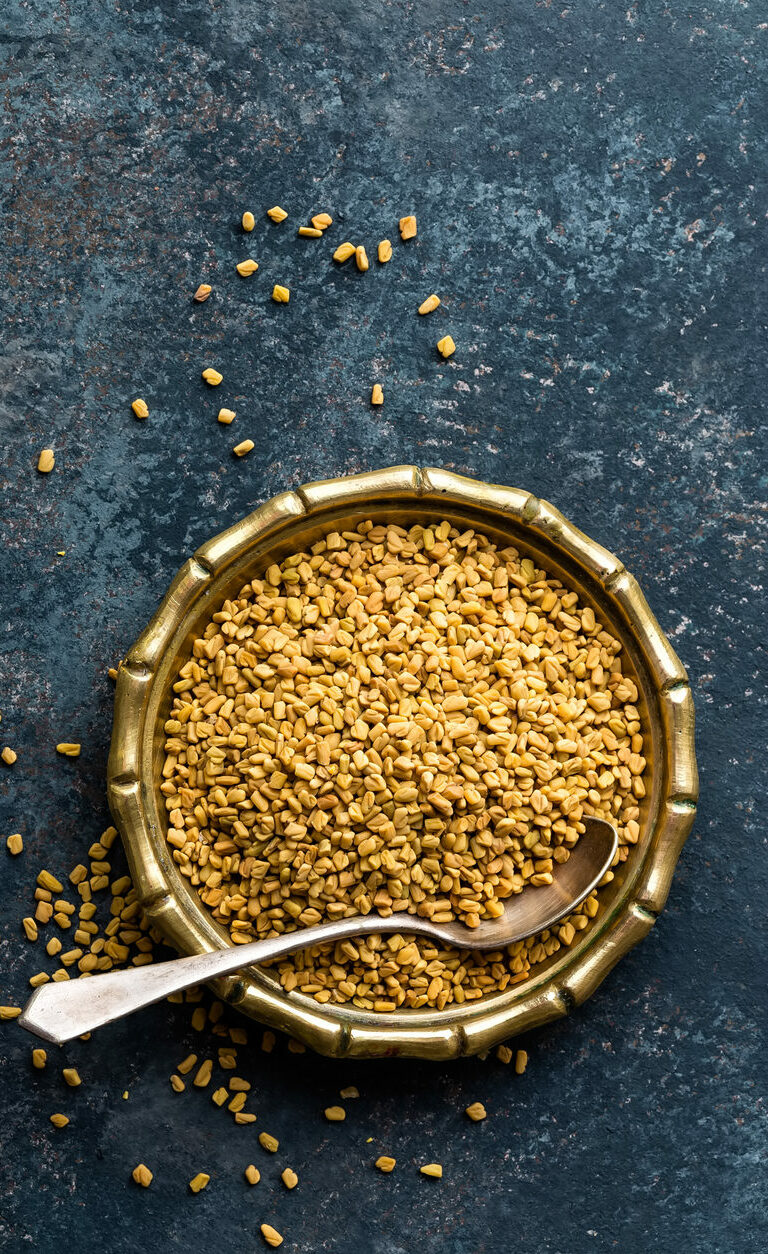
(589, 181)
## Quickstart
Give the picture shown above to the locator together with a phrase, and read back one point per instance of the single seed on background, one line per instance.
(39, 1059)
(14, 843)
(277, 214)
(377, 394)
(361, 257)
(68, 750)
(252, 1174)
(289, 1178)
(310, 232)
(225, 416)
(344, 252)
(245, 446)
(10, 1012)
(407, 227)
(322, 220)
(351, 1091)
(59, 1121)
(247, 267)
(384, 251)
(71, 1077)
(203, 292)
(335, 1114)
(269, 1142)
(434, 1170)
(248, 221)
(140, 408)
(429, 304)
(446, 346)
(46, 461)
(504, 1054)
(142, 1175)
(521, 1061)
(385, 1163)
(212, 376)
(271, 1235)
(476, 1112)
(281, 294)
(199, 1181)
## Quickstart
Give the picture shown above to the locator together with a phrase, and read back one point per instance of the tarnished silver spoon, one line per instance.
(59, 1012)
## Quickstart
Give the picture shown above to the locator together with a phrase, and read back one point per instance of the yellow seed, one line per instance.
(30, 927)
(407, 227)
(10, 1012)
(199, 1181)
(252, 1174)
(249, 221)
(203, 1075)
(310, 232)
(429, 304)
(14, 843)
(289, 1178)
(244, 1116)
(385, 1163)
(35, 981)
(220, 1096)
(385, 251)
(434, 1170)
(476, 1112)
(344, 252)
(335, 1114)
(59, 1121)
(186, 1066)
(46, 461)
(68, 750)
(377, 394)
(226, 416)
(71, 1077)
(268, 1042)
(521, 1061)
(268, 1142)
(212, 376)
(322, 220)
(281, 294)
(238, 1085)
(199, 1017)
(177, 1084)
(446, 346)
(238, 1036)
(237, 1103)
(142, 1175)
(277, 214)
(351, 1091)
(504, 1054)
(39, 1059)
(125, 1095)
(140, 408)
(46, 880)
(361, 257)
(203, 292)
(247, 267)
(271, 1235)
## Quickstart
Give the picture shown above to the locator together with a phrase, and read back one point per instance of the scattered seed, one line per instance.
(39, 1059)
(186, 1066)
(521, 1061)
(142, 1175)
(281, 294)
(48, 881)
(351, 1091)
(8, 756)
(237, 1103)
(434, 1170)
(252, 1174)
(14, 844)
(177, 1084)
(220, 1096)
(344, 252)
(268, 1042)
(310, 232)
(238, 1085)
(271, 1235)
(199, 1181)
(245, 446)
(71, 1077)
(46, 461)
(407, 227)
(277, 214)
(30, 927)
(203, 1076)
(203, 292)
(446, 346)
(296, 1047)
(321, 221)
(385, 1163)
(268, 1142)
(377, 394)
(59, 1121)
(384, 251)
(68, 750)
(248, 220)
(244, 1116)
(247, 267)
(10, 1012)
(212, 376)
(140, 408)
(225, 416)
(335, 1114)
(199, 1018)
(429, 304)
(504, 1054)
(476, 1112)
(289, 1178)
(361, 257)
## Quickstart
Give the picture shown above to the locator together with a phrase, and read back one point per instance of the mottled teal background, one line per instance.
(590, 184)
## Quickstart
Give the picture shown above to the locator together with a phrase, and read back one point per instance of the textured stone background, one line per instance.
(590, 183)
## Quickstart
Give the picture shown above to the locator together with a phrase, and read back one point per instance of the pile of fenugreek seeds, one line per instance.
(397, 720)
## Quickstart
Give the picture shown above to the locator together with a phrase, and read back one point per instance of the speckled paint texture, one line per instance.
(590, 184)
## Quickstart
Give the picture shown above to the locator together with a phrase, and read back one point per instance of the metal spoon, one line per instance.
(59, 1012)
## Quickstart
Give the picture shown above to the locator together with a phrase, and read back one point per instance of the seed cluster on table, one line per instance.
(397, 720)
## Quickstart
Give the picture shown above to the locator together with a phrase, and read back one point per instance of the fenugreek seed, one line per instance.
(203, 1076)
(384, 251)
(142, 1175)
(521, 1061)
(30, 928)
(247, 267)
(177, 1084)
(10, 1012)
(321, 221)
(8, 755)
(335, 1114)
(237, 1103)
(446, 346)
(351, 1091)
(434, 1170)
(46, 880)
(212, 376)
(203, 292)
(226, 416)
(59, 1121)
(504, 1054)
(268, 1042)
(14, 844)
(220, 1096)
(277, 214)
(199, 1018)
(361, 258)
(248, 221)
(252, 1174)
(186, 1066)
(377, 394)
(71, 1077)
(39, 1059)
(407, 227)
(245, 446)
(244, 1116)
(289, 1178)
(344, 252)
(268, 1142)
(68, 750)
(476, 1112)
(238, 1036)
(429, 304)
(271, 1235)
(310, 232)
(46, 461)
(238, 1085)
(281, 294)
(140, 408)
(385, 1163)
(199, 1181)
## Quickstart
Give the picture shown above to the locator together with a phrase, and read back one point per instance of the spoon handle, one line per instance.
(59, 1012)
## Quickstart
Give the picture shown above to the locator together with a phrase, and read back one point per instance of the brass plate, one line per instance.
(405, 494)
